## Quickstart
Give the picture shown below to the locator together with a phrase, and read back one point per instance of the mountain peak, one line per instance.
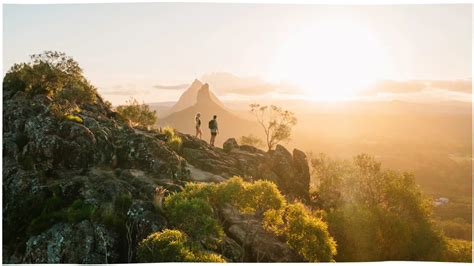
(196, 84)
(204, 94)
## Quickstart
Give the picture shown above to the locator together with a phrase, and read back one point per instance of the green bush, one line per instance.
(195, 216)
(192, 210)
(53, 74)
(173, 140)
(375, 214)
(172, 246)
(74, 118)
(169, 132)
(458, 251)
(175, 143)
(137, 114)
(305, 233)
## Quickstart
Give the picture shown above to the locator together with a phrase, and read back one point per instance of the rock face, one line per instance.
(52, 165)
(255, 243)
(289, 171)
(81, 191)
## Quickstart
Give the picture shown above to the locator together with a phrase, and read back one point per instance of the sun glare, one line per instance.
(330, 61)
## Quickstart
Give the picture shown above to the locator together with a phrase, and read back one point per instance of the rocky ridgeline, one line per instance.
(82, 191)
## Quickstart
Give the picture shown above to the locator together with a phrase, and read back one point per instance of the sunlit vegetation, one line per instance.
(251, 140)
(173, 140)
(55, 75)
(137, 114)
(194, 211)
(172, 246)
(376, 214)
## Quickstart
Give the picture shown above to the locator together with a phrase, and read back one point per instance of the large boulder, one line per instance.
(230, 144)
(257, 245)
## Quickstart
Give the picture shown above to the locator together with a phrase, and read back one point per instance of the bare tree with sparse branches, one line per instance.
(276, 122)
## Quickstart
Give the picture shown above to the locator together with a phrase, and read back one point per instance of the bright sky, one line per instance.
(328, 51)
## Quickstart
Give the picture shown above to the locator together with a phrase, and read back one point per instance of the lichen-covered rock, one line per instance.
(230, 144)
(83, 242)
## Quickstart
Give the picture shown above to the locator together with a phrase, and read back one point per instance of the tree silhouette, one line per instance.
(276, 122)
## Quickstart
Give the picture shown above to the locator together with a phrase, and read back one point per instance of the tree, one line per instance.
(276, 122)
(137, 114)
(375, 214)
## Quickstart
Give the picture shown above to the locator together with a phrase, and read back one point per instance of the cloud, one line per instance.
(392, 86)
(171, 87)
(460, 85)
(120, 91)
(411, 86)
(223, 83)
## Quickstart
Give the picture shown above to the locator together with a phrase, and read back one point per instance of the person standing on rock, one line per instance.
(198, 125)
(214, 129)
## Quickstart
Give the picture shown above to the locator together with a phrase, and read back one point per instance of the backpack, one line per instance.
(212, 124)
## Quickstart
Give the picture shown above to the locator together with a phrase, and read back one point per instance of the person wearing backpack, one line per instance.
(214, 129)
(198, 125)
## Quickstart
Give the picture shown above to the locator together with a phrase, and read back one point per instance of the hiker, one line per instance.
(214, 129)
(198, 125)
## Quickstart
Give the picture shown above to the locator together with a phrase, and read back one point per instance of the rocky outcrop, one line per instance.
(65, 179)
(81, 189)
(256, 244)
(289, 171)
(83, 242)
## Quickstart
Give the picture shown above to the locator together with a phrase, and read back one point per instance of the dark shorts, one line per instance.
(214, 134)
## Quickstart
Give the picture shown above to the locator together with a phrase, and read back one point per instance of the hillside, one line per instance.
(79, 184)
(82, 186)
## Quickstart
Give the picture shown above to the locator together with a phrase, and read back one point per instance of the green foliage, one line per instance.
(53, 74)
(305, 233)
(175, 143)
(172, 246)
(169, 132)
(251, 140)
(173, 140)
(456, 228)
(54, 213)
(276, 122)
(458, 251)
(192, 213)
(74, 118)
(375, 214)
(137, 114)
(190, 209)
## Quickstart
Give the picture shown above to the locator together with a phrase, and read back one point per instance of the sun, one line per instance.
(330, 61)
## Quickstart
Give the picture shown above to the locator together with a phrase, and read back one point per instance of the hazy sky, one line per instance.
(327, 51)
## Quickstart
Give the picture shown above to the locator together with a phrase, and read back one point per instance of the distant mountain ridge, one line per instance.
(206, 103)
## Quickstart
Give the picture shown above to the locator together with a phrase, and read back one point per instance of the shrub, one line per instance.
(175, 143)
(74, 118)
(173, 140)
(172, 246)
(195, 216)
(53, 74)
(191, 210)
(137, 114)
(305, 233)
(458, 250)
(169, 132)
(375, 214)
